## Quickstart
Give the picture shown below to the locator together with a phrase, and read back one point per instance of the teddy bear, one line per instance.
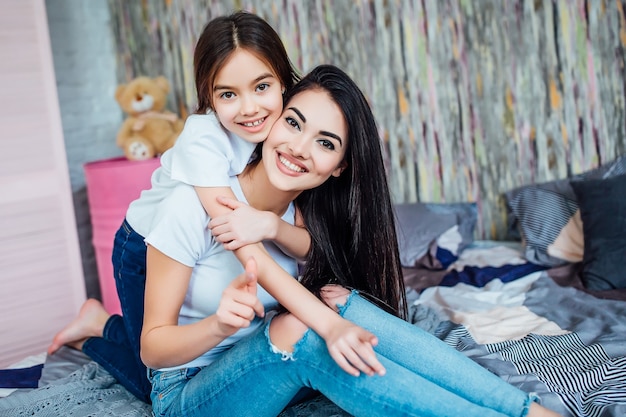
(149, 130)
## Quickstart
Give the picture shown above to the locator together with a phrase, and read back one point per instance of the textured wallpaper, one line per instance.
(472, 97)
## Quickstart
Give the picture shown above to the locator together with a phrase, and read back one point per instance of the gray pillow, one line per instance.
(603, 212)
(419, 225)
(466, 218)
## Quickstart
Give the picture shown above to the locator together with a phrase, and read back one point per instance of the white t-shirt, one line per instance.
(204, 155)
(180, 231)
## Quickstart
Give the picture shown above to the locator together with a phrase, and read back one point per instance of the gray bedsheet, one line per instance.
(72, 384)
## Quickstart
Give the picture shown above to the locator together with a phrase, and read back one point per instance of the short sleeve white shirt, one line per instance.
(180, 231)
(204, 155)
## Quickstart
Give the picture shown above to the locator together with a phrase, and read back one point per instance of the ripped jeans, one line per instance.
(425, 377)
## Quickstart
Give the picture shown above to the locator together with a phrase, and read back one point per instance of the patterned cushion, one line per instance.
(541, 212)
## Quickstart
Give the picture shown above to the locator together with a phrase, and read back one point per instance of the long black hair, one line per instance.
(350, 217)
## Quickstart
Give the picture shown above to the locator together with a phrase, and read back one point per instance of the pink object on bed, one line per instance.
(112, 184)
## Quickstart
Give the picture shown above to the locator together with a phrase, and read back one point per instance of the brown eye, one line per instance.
(263, 87)
(327, 144)
(292, 122)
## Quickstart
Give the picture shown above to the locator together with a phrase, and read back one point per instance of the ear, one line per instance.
(337, 172)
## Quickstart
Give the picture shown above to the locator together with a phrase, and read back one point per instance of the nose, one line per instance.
(249, 106)
(299, 148)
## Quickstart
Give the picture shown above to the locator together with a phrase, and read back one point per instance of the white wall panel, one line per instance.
(41, 280)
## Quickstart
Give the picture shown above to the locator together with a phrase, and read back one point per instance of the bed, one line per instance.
(545, 310)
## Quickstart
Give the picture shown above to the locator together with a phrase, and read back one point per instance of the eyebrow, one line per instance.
(322, 132)
(300, 115)
(332, 135)
(256, 80)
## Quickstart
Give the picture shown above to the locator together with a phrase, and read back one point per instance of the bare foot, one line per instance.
(89, 323)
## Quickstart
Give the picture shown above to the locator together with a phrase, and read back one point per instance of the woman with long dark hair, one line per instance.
(324, 152)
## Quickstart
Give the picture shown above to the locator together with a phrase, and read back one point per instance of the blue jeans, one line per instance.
(424, 377)
(118, 350)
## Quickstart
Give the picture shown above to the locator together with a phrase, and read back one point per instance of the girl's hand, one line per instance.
(243, 226)
(352, 347)
(239, 303)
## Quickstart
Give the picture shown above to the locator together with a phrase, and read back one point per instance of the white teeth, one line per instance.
(253, 124)
(289, 165)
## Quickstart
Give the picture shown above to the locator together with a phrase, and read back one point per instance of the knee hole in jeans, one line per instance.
(286, 329)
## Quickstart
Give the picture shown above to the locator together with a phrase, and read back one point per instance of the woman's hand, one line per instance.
(243, 226)
(239, 303)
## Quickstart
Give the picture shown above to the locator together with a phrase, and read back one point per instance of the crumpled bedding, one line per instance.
(561, 342)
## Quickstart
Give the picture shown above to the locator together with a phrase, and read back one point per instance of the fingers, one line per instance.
(218, 225)
(222, 233)
(355, 361)
(252, 276)
(365, 354)
(233, 245)
(354, 353)
(235, 313)
(222, 237)
(238, 308)
(245, 286)
(229, 202)
(343, 363)
(240, 282)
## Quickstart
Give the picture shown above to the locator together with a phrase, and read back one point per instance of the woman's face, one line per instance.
(247, 96)
(307, 144)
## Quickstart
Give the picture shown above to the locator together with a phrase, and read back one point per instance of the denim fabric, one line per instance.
(118, 350)
(167, 386)
(424, 377)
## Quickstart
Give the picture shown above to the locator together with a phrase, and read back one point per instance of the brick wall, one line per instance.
(85, 69)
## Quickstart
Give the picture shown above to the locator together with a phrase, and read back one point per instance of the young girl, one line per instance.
(242, 71)
(197, 337)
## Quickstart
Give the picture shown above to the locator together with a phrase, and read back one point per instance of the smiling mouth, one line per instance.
(253, 124)
(289, 165)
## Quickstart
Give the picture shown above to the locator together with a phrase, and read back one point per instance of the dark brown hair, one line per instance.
(224, 35)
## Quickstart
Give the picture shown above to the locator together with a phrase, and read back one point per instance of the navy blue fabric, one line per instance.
(479, 276)
(603, 212)
(445, 257)
(118, 350)
(20, 377)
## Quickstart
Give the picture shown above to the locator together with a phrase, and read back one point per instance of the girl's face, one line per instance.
(247, 96)
(307, 144)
